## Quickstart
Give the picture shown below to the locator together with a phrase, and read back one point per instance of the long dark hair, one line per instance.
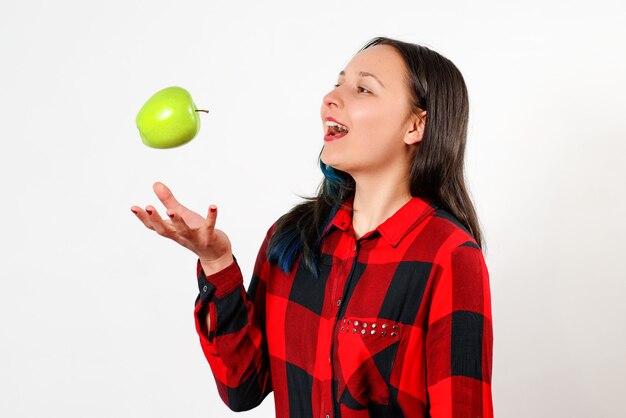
(437, 171)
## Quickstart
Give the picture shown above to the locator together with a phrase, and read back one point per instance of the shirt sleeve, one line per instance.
(459, 339)
(235, 345)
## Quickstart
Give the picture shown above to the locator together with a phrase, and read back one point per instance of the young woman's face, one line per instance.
(375, 109)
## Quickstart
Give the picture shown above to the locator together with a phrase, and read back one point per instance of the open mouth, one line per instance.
(335, 132)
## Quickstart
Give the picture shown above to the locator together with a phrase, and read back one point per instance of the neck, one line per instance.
(376, 198)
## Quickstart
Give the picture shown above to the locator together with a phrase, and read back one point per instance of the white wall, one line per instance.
(96, 311)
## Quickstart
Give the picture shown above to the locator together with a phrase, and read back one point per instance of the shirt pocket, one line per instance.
(366, 351)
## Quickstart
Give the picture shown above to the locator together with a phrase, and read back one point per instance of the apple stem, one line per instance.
(202, 110)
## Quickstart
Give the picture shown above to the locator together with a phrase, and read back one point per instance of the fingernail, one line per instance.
(133, 211)
(213, 210)
(149, 211)
(171, 216)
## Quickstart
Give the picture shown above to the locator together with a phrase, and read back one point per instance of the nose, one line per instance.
(332, 98)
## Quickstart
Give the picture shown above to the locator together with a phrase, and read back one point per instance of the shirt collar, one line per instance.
(394, 228)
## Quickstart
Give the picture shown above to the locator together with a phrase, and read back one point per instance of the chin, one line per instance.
(334, 162)
(337, 160)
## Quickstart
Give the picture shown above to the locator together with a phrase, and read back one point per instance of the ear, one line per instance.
(416, 128)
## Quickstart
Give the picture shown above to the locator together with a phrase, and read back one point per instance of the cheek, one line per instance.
(368, 124)
(378, 131)
(377, 116)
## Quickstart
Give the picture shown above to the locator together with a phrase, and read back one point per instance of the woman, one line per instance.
(371, 299)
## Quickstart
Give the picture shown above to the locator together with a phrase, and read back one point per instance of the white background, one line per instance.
(96, 311)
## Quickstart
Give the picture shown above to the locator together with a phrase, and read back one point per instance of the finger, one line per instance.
(142, 216)
(159, 225)
(211, 217)
(179, 224)
(165, 196)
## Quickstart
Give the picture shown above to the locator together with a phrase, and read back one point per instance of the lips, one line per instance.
(335, 120)
(332, 133)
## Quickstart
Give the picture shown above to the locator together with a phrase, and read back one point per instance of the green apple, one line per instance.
(168, 119)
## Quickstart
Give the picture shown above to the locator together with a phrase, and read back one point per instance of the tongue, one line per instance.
(336, 131)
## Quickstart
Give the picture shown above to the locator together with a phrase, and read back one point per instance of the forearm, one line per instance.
(212, 267)
(232, 338)
(209, 268)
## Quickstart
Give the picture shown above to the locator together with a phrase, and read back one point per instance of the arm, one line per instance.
(233, 340)
(459, 341)
(209, 269)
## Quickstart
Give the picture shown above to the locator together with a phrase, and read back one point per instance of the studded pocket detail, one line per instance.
(363, 327)
(366, 349)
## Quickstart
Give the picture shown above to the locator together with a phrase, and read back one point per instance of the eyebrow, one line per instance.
(365, 74)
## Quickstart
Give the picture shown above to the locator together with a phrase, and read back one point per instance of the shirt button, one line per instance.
(354, 249)
(327, 415)
(339, 302)
(204, 289)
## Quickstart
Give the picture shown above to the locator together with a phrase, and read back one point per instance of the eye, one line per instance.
(358, 88)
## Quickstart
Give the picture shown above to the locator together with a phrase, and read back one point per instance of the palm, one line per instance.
(193, 219)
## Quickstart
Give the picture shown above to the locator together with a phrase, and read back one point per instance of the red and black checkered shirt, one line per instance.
(398, 324)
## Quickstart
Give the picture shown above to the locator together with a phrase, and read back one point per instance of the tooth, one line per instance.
(337, 125)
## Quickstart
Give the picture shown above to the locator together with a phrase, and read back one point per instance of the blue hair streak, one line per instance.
(288, 243)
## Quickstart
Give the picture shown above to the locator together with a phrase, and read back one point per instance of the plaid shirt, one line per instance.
(398, 325)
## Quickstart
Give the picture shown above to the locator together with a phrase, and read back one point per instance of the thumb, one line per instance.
(165, 195)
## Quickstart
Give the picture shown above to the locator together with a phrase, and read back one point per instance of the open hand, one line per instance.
(188, 228)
